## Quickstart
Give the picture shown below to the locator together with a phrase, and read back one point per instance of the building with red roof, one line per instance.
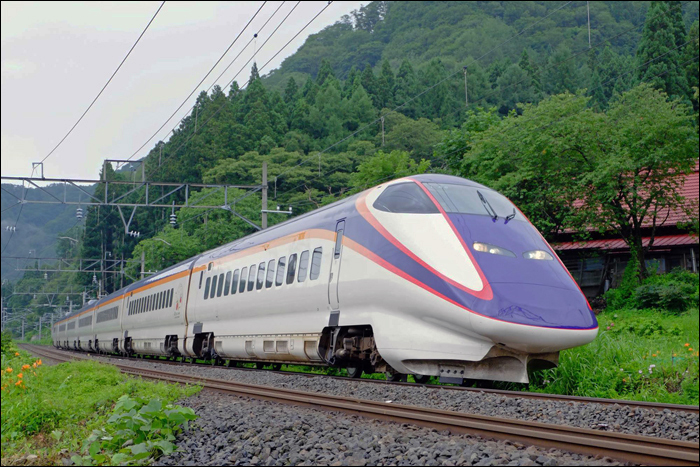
(597, 264)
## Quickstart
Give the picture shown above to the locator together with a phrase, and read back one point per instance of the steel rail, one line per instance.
(506, 393)
(622, 446)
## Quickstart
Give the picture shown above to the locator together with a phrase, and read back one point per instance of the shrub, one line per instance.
(618, 298)
(675, 292)
(137, 430)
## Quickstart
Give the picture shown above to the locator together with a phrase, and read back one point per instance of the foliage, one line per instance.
(659, 50)
(674, 292)
(383, 166)
(137, 430)
(638, 355)
(619, 297)
(6, 342)
(566, 164)
(57, 406)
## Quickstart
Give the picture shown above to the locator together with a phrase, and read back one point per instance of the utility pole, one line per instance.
(40, 327)
(22, 328)
(264, 195)
(143, 263)
(466, 94)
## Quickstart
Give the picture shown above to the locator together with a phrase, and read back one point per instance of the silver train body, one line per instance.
(428, 275)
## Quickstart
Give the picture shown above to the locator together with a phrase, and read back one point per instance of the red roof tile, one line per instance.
(619, 244)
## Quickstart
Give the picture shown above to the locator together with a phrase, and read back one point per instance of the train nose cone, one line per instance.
(541, 305)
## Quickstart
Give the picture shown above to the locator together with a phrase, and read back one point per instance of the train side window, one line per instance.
(143, 304)
(136, 307)
(212, 291)
(150, 302)
(227, 283)
(160, 301)
(201, 276)
(170, 302)
(221, 285)
(292, 268)
(303, 266)
(244, 275)
(270, 273)
(206, 288)
(251, 278)
(234, 283)
(281, 266)
(316, 263)
(140, 310)
(261, 276)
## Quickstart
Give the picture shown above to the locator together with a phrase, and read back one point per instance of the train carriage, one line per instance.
(430, 275)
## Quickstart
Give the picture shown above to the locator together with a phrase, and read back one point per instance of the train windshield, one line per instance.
(406, 198)
(471, 200)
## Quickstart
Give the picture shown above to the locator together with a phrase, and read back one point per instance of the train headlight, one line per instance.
(538, 254)
(493, 249)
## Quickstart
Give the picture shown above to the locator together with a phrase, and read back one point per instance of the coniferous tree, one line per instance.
(349, 85)
(369, 82)
(290, 91)
(310, 90)
(690, 60)
(657, 55)
(385, 86)
(325, 72)
(405, 88)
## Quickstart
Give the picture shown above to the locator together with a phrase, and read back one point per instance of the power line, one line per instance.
(200, 82)
(247, 82)
(105, 86)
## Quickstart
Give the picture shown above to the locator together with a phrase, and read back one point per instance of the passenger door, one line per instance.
(333, 281)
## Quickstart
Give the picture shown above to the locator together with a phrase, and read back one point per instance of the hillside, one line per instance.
(459, 32)
(39, 225)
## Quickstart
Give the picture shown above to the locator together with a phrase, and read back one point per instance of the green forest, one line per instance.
(511, 94)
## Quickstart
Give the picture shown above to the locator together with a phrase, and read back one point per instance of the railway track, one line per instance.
(625, 447)
(522, 394)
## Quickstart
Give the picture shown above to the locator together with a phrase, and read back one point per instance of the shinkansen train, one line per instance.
(430, 275)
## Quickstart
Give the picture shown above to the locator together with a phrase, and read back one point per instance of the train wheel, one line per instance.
(421, 379)
(259, 365)
(354, 371)
(392, 375)
(277, 366)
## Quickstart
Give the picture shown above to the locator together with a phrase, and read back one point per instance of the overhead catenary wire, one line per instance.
(247, 82)
(555, 65)
(261, 68)
(106, 84)
(201, 81)
(226, 69)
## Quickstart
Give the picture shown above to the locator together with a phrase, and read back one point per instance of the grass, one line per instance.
(50, 410)
(645, 355)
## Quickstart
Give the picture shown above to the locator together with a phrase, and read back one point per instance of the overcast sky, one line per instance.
(56, 56)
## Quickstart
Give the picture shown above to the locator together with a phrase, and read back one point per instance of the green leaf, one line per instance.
(94, 448)
(138, 448)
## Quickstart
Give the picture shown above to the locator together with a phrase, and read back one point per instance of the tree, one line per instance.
(405, 88)
(290, 91)
(690, 55)
(382, 167)
(324, 73)
(634, 184)
(416, 137)
(369, 82)
(569, 166)
(385, 86)
(658, 56)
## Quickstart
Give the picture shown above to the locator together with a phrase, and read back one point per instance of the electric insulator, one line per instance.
(79, 213)
(173, 219)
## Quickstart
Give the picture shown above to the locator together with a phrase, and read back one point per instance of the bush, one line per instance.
(6, 343)
(137, 430)
(675, 292)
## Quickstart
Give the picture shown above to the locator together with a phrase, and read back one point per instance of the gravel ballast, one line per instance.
(232, 430)
(667, 423)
